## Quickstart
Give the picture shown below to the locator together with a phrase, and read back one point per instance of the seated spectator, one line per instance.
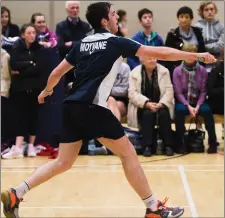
(146, 36)
(215, 88)
(213, 29)
(190, 80)
(46, 37)
(122, 23)
(150, 95)
(71, 30)
(25, 88)
(118, 99)
(5, 86)
(8, 29)
(184, 33)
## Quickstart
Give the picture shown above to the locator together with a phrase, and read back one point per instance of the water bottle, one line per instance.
(91, 148)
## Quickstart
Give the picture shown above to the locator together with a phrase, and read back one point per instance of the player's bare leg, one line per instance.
(124, 149)
(11, 198)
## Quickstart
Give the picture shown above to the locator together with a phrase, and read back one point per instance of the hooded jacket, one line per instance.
(140, 37)
(213, 34)
(5, 73)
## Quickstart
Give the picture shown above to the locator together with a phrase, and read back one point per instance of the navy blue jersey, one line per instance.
(97, 60)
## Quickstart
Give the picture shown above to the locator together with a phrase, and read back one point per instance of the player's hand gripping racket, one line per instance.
(202, 59)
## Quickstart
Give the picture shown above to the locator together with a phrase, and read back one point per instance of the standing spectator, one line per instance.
(25, 88)
(213, 30)
(151, 92)
(146, 36)
(71, 30)
(8, 29)
(184, 33)
(118, 99)
(190, 80)
(46, 37)
(122, 23)
(5, 86)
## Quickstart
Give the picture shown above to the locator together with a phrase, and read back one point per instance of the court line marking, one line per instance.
(146, 165)
(188, 191)
(111, 171)
(87, 207)
(87, 171)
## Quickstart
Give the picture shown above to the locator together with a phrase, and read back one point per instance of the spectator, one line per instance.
(5, 85)
(69, 30)
(215, 88)
(122, 23)
(118, 99)
(150, 93)
(184, 33)
(190, 90)
(25, 88)
(213, 30)
(146, 36)
(8, 29)
(46, 37)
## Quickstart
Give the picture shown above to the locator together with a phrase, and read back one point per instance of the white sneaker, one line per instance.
(31, 152)
(13, 153)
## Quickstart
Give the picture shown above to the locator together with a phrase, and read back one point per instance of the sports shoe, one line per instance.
(13, 153)
(164, 212)
(31, 152)
(10, 203)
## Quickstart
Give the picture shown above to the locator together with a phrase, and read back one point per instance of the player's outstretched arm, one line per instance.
(54, 78)
(171, 54)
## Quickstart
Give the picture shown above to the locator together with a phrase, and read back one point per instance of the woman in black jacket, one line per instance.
(25, 87)
(184, 33)
(8, 29)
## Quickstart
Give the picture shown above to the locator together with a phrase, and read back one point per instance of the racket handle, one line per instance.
(202, 59)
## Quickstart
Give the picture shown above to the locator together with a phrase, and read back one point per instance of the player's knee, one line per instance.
(127, 152)
(64, 165)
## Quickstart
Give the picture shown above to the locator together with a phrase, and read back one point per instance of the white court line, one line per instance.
(111, 171)
(87, 207)
(188, 191)
(146, 165)
(86, 171)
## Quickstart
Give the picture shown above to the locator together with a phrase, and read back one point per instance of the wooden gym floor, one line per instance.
(96, 186)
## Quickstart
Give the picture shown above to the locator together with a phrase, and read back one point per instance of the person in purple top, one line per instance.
(190, 79)
(46, 37)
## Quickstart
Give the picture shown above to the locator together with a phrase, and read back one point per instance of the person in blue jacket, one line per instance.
(146, 36)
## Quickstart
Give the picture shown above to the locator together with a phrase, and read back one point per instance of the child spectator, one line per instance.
(190, 80)
(151, 92)
(146, 36)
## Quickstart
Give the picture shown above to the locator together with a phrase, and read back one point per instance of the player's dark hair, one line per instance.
(5, 9)
(185, 10)
(144, 11)
(96, 12)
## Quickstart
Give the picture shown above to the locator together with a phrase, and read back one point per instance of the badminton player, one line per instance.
(85, 112)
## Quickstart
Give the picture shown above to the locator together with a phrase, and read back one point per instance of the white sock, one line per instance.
(22, 189)
(151, 202)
